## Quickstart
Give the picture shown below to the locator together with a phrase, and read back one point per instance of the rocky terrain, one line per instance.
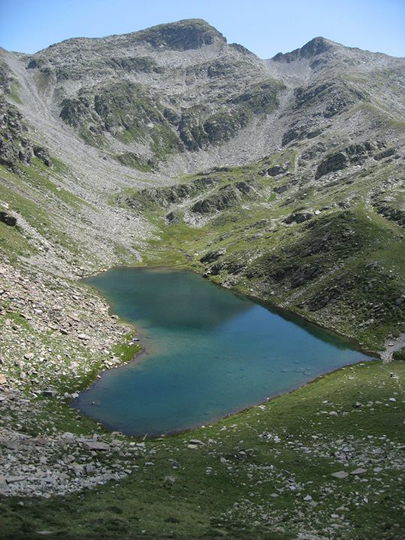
(280, 178)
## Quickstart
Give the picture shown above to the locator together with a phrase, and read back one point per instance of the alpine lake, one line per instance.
(208, 352)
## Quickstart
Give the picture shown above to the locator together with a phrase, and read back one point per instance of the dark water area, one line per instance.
(209, 352)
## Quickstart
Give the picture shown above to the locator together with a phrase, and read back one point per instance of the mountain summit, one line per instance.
(181, 36)
(314, 47)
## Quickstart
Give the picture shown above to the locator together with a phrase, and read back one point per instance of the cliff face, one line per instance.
(291, 169)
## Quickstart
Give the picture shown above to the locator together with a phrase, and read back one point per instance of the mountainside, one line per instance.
(281, 178)
(297, 149)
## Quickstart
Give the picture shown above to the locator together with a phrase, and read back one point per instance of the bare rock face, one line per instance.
(183, 35)
(160, 90)
(313, 48)
(298, 217)
(14, 147)
(333, 163)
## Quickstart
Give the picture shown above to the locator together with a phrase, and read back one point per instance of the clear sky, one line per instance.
(263, 26)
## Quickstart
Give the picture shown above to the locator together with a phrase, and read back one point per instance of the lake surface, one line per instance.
(209, 352)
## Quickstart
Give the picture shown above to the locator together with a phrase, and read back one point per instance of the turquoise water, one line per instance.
(209, 352)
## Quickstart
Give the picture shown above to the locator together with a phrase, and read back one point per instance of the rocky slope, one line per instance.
(282, 178)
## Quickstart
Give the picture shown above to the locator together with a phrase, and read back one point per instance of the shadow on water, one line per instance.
(168, 298)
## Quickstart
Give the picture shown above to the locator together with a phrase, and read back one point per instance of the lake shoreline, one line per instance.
(291, 317)
(266, 400)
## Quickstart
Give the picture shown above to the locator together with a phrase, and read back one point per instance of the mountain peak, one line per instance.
(314, 47)
(181, 35)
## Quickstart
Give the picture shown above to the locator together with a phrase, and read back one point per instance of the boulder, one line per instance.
(8, 219)
(298, 217)
(358, 471)
(276, 170)
(49, 393)
(332, 163)
(96, 445)
(340, 475)
(43, 155)
(212, 256)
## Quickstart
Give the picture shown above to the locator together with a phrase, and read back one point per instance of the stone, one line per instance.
(169, 481)
(340, 475)
(276, 170)
(68, 437)
(49, 393)
(298, 217)
(196, 442)
(43, 155)
(11, 445)
(358, 471)
(3, 379)
(96, 445)
(14, 479)
(357, 405)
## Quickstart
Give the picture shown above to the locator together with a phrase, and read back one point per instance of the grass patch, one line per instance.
(399, 355)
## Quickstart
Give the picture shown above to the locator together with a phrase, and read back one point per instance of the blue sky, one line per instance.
(264, 27)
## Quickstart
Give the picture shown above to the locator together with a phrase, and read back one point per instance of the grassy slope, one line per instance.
(34, 195)
(288, 447)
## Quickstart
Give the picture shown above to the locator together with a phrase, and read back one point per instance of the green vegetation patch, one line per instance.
(399, 355)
